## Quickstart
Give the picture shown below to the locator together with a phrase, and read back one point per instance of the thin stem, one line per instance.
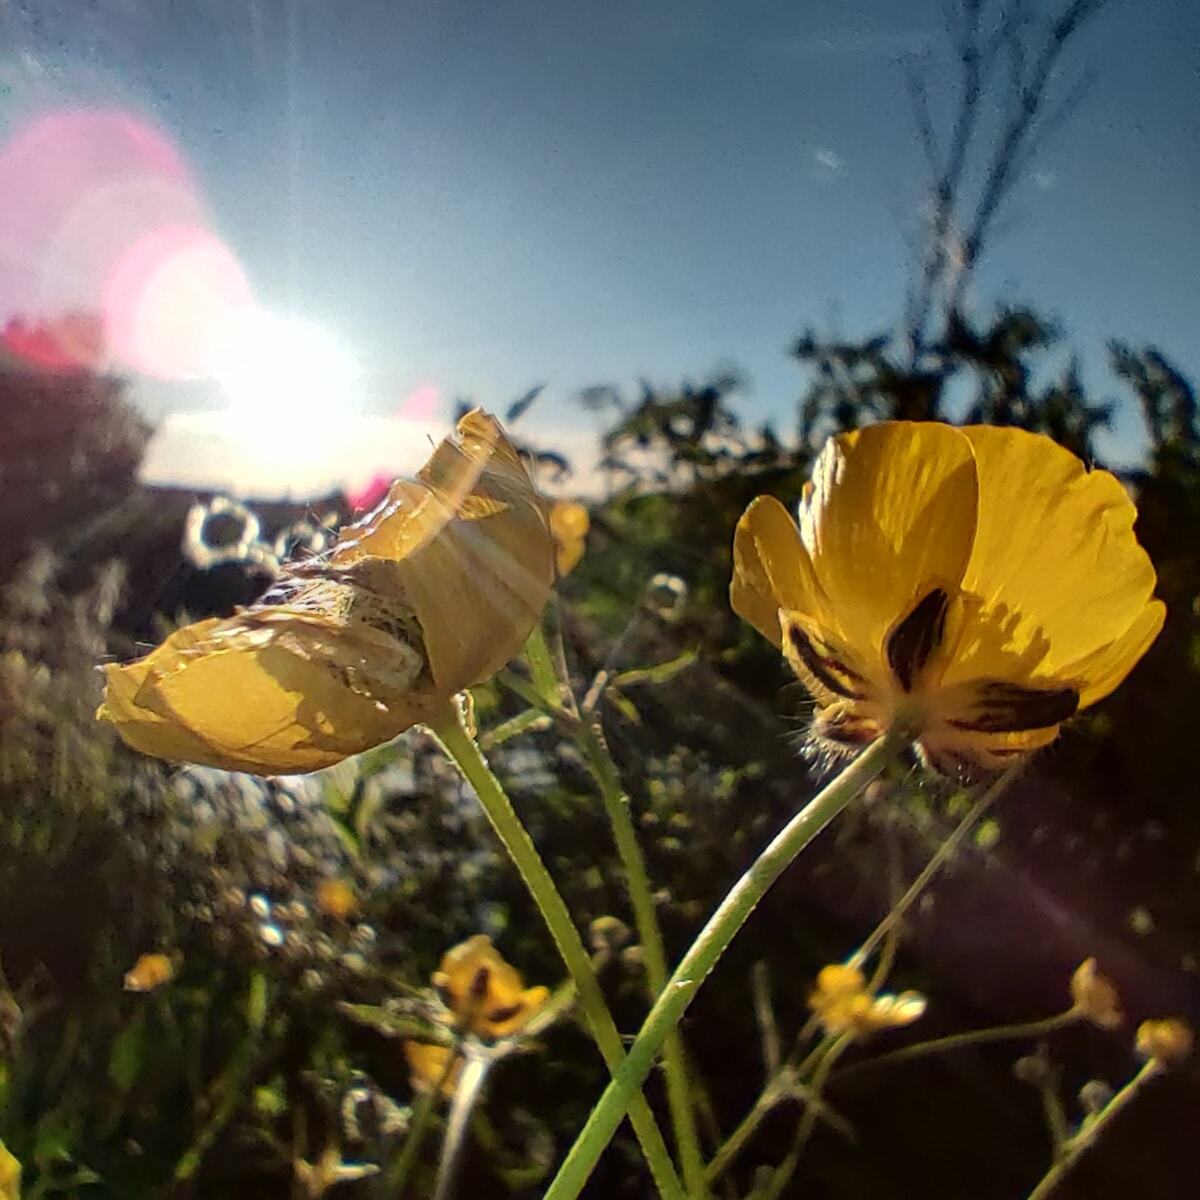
(808, 1122)
(392, 1182)
(637, 885)
(467, 1095)
(934, 865)
(736, 1141)
(706, 951)
(1089, 1133)
(958, 1041)
(462, 750)
(589, 740)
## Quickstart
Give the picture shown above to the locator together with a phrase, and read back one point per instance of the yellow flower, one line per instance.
(569, 523)
(1168, 1040)
(487, 995)
(150, 972)
(1096, 997)
(10, 1175)
(978, 586)
(427, 1063)
(842, 1003)
(429, 594)
(336, 898)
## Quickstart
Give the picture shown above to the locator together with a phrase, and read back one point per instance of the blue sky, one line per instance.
(488, 195)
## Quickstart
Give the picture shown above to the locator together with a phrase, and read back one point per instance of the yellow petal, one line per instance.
(569, 524)
(891, 517)
(484, 992)
(431, 593)
(470, 549)
(429, 1064)
(771, 570)
(1103, 671)
(1055, 554)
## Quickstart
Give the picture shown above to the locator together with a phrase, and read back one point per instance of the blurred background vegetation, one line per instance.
(256, 1056)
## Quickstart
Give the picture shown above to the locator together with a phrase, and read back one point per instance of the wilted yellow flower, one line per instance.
(1096, 997)
(1169, 1040)
(569, 523)
(10, 1175)
(336, 898)
(487, 995)
(150, 971)
(427, 1063)
(842, 1003)
(978, 586)
(432, 592)
(316, 1178)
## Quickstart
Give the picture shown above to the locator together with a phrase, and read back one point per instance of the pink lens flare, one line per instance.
(100, 215)
(167, 296)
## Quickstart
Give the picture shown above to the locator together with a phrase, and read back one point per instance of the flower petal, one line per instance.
(891, 517)
(1104, 670)
(771, 570)
(1075, 577)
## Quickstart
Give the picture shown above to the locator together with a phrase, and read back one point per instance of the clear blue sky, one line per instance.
(488, 195)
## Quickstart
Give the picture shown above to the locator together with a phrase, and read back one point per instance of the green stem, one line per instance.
(808, 1122)
(705, 953)
(637, 884)
(733, 1145)
(1089, 1133)
(462, 750)
(959, 1041)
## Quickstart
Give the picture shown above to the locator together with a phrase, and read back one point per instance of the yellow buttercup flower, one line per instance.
(336, 898)
(486, 994)
(429, 594)
(978, 586)
(843, 1004)
(569, 523)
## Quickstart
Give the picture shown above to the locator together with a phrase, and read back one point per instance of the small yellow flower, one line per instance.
(1169, 1040)
(842, 1003)
(1096, 997)
(978, 586)
(150, 972)
(10, 1175)
(569, 524)
(337, 899)
(427, 1062)
(487, 995)
(429, 594)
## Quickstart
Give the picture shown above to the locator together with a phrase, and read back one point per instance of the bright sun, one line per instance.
(282, 369)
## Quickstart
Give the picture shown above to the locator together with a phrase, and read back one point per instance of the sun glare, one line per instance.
(282, 369)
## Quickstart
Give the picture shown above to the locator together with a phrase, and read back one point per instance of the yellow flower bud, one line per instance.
(842, 1003)
(1096, 997)
(569, 524)
(150, 971)
(1169, 1040)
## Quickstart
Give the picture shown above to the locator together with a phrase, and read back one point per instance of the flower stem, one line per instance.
(585, 733)
(959, 1041)
(705, 953)
(1089, 1133)
(637, 885)
(462, 750)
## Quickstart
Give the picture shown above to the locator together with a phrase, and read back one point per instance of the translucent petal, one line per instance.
(771, 570)
(891, 516)
(1055, 558)
(1104, 670)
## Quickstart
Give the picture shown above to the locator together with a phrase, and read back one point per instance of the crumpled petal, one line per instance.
(428, 595)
